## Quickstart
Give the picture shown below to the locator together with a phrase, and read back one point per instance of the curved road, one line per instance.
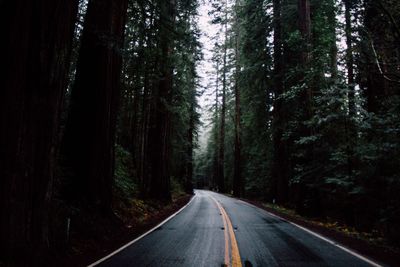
(215, 230)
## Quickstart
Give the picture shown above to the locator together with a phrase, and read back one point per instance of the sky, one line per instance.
(208, 31)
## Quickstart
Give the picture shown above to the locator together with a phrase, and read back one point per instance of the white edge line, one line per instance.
(350, 251)
(140, 237)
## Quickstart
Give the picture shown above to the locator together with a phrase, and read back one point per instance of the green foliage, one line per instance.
(124, 174)
(341, 141)
(177, 188)
(146, 33)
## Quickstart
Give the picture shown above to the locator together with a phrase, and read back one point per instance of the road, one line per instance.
(216, 230)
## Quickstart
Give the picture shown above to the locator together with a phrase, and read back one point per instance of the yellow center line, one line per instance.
(236, 262)
(226, 235)
(229, 234)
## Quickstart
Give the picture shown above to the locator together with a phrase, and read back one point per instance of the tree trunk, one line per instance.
(349, 57)
(217, 145)
(160, 133)
(221, 154)
(305, 55)
(90, 133)
(304, 193)
(148, 69)
(36, 53)
(189, 152)
(305, 31)
(280, 157)
(333, 47)
(238, 186)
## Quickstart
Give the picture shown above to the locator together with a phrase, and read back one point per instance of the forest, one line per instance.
(306, 111)
(100, 106)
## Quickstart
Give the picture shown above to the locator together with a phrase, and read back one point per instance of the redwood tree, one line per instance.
(280, 158)
(160, 128)
(238, 184)
(35, 56)
(90, 133)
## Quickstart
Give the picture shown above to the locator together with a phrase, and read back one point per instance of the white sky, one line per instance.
(208, 31)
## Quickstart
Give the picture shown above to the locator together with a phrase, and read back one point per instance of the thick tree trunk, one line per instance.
(280, 157)
(160, 133)
(304, 193)
(304, 25)
(144, 169)
(305, 31)
(90, 133)
(36, 46)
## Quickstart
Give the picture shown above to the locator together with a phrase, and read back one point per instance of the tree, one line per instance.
(160, 118)
(349, 56)
(220, 15)
(280, 157)
(238, 187)
(90, 131)
(35, 52)
(319, 122)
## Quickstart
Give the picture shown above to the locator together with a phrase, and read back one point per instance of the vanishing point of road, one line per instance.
(214, 230)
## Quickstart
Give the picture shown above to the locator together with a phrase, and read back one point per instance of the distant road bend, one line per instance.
(216, 230)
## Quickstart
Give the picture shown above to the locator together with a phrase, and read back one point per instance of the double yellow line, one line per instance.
(229, 235)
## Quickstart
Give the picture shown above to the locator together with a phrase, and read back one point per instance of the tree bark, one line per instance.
(304, 193)
(36, 54)
(349, 57)
(305, 31)
(160, 133)
(305, 55)
(238, 185)
(333, 47)
(280, 158)
(189, 152)
(221, 154)
(216, 137)
(90, 133)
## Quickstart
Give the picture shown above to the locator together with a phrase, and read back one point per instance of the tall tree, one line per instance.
(304, 21)
(216, 164)
(238, 187)
(185, 116)
(349, 56)
(221, 153)
(280, 158)
(35, 55)
(90, 133)
(160, 131)
(253, 62)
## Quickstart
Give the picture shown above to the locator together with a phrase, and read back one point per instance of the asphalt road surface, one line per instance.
(215, 230)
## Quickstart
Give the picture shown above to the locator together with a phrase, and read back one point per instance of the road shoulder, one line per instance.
(86, 248)
(386, 255)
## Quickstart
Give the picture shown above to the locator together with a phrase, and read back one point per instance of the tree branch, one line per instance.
(378, 64)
